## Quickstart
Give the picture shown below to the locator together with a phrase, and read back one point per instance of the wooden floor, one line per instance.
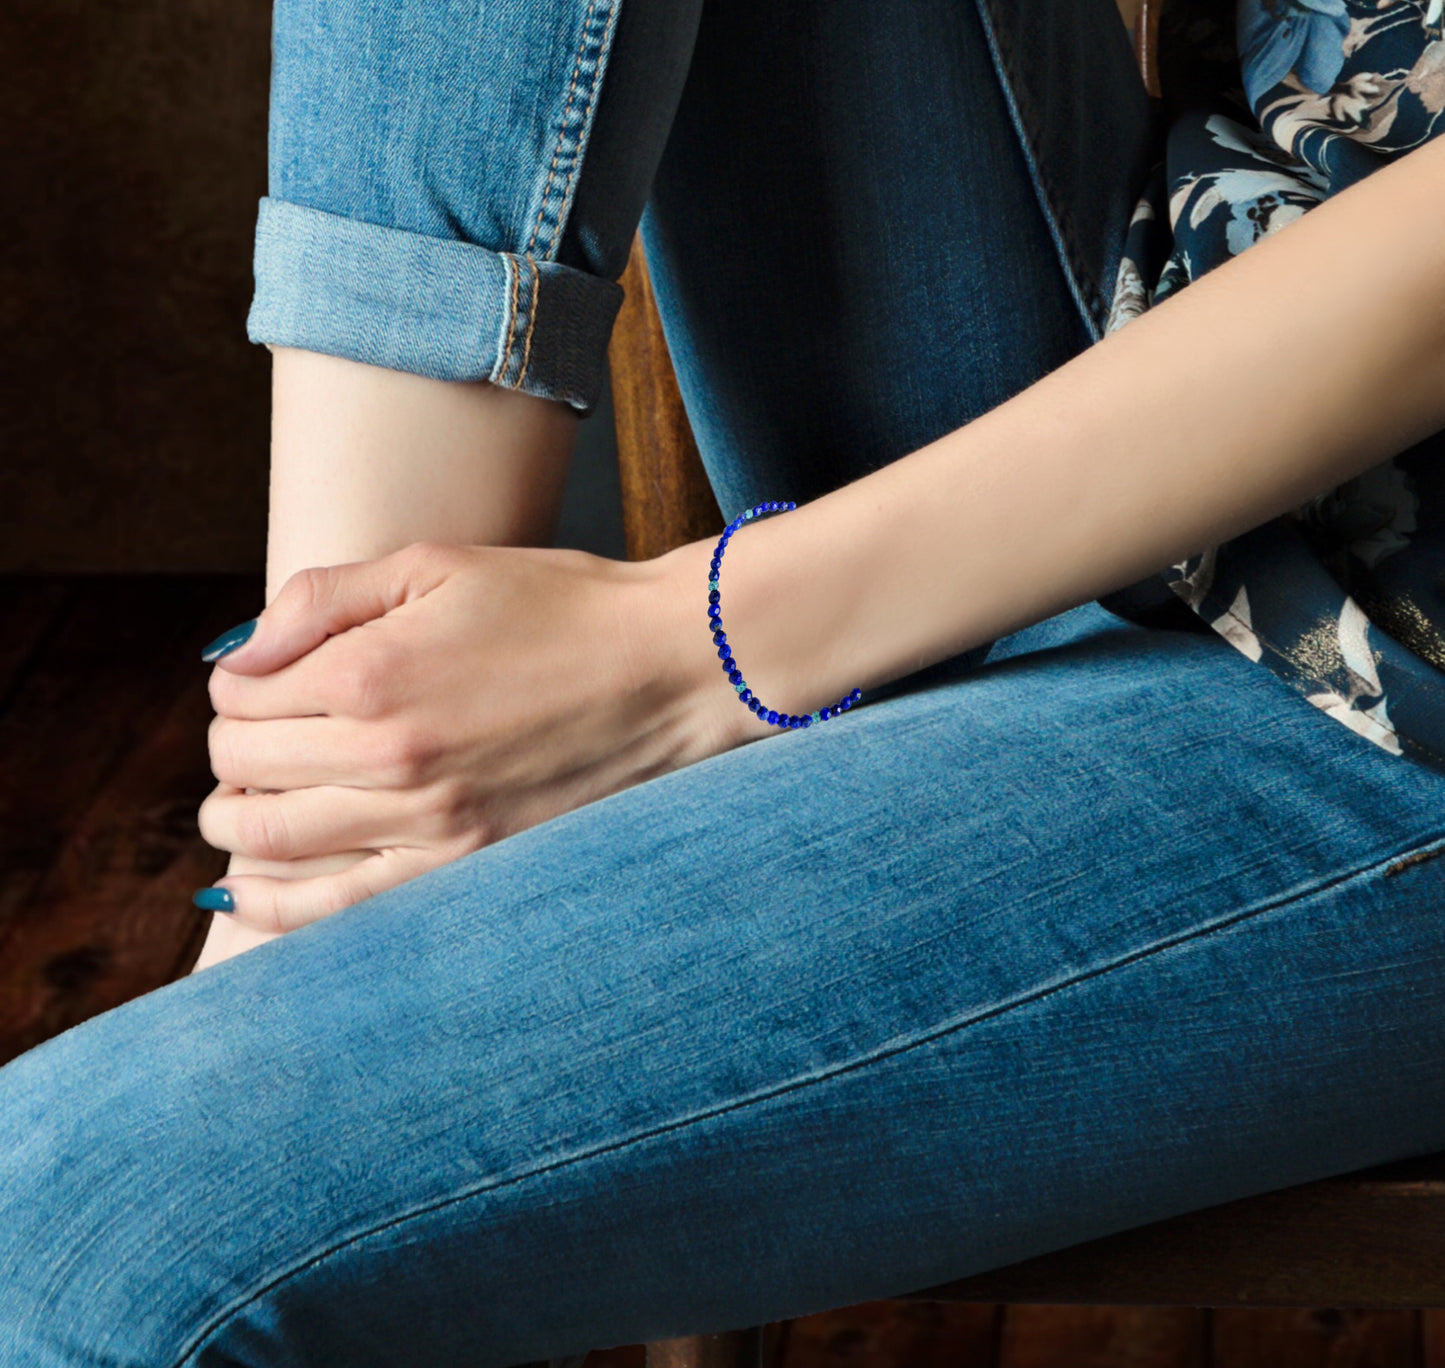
(103, 715)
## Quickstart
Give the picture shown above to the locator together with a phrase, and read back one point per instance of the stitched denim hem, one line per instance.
(428, 305)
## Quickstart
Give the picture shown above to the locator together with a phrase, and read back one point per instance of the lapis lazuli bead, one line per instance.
(824, 714)
(754, 705)
(772, 718)
(724, 651)
(807, 719)
(719, 636)
(746, 695)
(735, 677)
(857, 694)
(846, 704)
(713, 611)
(713, 596)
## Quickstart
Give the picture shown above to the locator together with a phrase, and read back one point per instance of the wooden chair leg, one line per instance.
(666, 498)
(730, 1349)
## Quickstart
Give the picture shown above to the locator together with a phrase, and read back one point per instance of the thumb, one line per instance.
(322, 602)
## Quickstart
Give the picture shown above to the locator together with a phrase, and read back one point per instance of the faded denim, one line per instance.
(1084, 928)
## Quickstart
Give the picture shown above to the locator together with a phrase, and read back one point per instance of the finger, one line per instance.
(323, 601)
(309, 752)
(309, 822)
(281, 905)
(362, 673)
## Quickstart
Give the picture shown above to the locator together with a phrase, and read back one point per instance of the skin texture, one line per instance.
(1331, 358)
(365, 461)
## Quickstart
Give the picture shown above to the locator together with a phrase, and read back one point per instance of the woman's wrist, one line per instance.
(1226, 405)
(794, 606)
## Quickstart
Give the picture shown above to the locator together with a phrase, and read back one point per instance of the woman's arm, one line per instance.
(1314, 355)
(366, 460)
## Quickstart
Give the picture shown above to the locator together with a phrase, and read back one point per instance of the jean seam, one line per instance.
(604, 50)
(1085, 290)
(586, 43)
(562, 127)
(822, 1075)
(531, 319)
(583, 46)
(509, 323)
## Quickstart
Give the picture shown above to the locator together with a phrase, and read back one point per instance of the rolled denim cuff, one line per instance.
(432, 306)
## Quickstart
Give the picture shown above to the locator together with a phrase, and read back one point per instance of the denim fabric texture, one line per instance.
(1030, 947)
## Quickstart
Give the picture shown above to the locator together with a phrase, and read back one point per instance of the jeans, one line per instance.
(1030, 947)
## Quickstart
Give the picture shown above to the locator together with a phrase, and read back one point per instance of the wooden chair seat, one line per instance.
(1375, 1238)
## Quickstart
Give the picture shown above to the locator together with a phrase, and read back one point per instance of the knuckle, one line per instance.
(447, 806)
(269, 913)
(311, 588)
(427, 553)
(261, 831)
(401, 755)
(221, 746)
(208, 825)
(218, 688)
(363, 686)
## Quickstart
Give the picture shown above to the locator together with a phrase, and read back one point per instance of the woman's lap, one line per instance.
(1039, 951)
(1013, 955)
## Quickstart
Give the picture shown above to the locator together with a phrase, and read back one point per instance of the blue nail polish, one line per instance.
(229, 641)
(214, 900)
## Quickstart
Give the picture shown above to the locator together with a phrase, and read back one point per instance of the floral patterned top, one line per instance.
(1270, 107)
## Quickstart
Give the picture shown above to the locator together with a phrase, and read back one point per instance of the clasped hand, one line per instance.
(425, 704)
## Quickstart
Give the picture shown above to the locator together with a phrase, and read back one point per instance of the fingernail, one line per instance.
(214, 900)
(229, 641)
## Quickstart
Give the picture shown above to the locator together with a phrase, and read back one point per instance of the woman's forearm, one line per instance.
(1314, 355)
(365, 460)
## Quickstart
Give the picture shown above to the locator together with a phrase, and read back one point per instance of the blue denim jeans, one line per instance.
(1086, 928)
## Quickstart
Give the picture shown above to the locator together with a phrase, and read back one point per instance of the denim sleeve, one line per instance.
(423, 177)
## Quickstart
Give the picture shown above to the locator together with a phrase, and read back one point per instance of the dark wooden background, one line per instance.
(136, 420)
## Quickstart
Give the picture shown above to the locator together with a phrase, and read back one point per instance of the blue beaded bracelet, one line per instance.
(720, 640)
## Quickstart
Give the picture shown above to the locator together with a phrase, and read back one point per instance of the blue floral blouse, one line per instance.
(1270, 107)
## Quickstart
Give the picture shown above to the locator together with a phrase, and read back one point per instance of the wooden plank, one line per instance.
(666, 497)
(1246, 1338)
(1372, 1239)
(1432, 1339)
(106, 764)
(775, 1336)
(1102, 1337)
(30, 607)
(890, 1334)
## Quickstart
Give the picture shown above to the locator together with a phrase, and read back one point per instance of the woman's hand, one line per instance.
(428, 703)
